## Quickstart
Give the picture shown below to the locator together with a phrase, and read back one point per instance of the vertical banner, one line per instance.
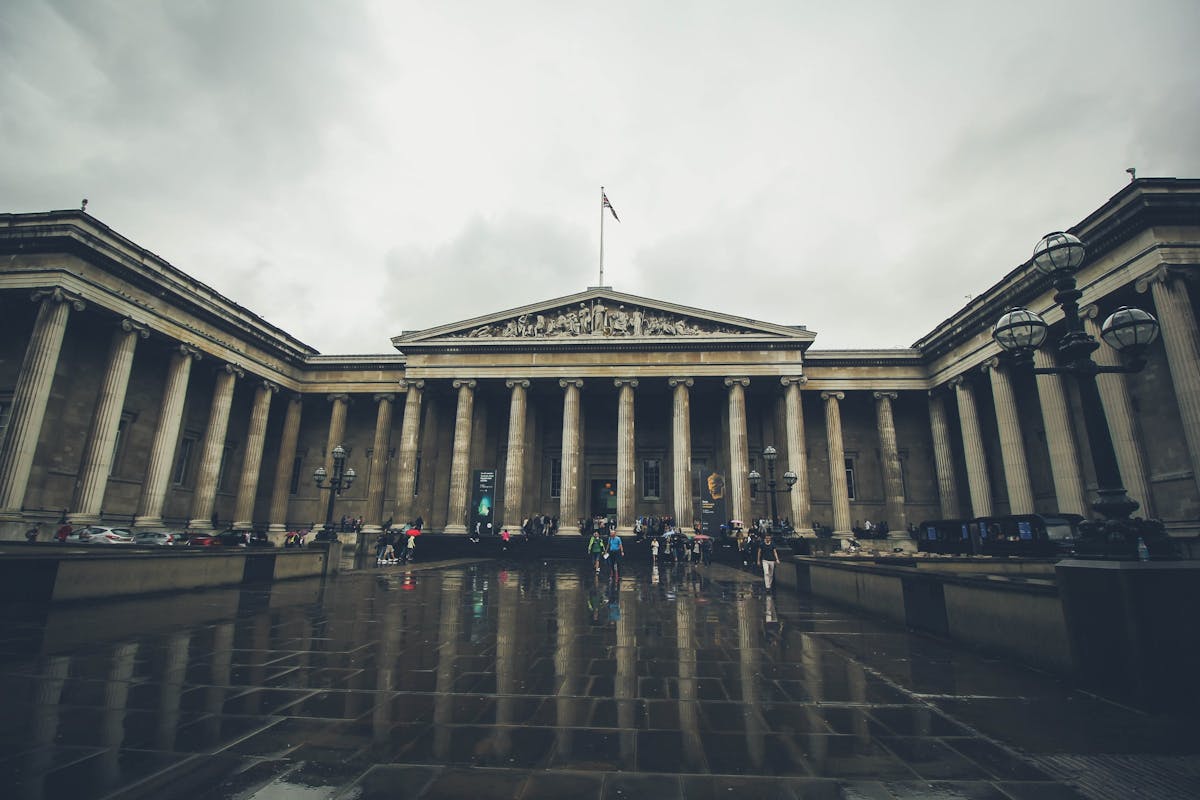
(712, 503)
(483, 503)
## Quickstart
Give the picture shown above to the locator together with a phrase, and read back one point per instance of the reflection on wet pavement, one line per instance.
(479, 680)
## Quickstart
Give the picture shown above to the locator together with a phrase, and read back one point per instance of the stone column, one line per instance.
(977, 472)
(460, 465)
(943, 456)
(626, 454)
(282, 490)
(1060, 438)
(514, 470)
(256, 436)
(1118, 411)
(739, 451)
(568, 514)
(30, 396)
(406, 458)
(1012, 443)
(166, 438)
(799, 497)
(379, 461)
(1181, 341)
(893, 481)
(339, 405)
(681, 450)
(102, 438)
(204, 499)
(839, 491)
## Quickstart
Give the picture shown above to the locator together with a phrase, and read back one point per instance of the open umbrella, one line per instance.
(737, 523)
(700, 536)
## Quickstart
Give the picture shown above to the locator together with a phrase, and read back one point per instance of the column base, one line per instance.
(375, 529)
(625, 530)
(243, 525)
(277, 527)
(83, 520)
(567, 530)
(455, 530)
(902, 542)
(199, 525)
(148, 522)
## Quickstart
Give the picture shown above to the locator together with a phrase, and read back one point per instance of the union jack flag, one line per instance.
(608, 205)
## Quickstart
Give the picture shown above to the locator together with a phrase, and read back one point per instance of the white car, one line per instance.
(160, 538)
(97, 534)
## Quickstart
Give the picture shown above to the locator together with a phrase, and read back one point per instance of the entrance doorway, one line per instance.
(603, 498)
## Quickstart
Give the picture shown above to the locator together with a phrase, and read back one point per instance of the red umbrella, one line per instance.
(413, 532)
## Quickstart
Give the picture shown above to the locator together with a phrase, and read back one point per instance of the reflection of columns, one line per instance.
(626, 471)
(116, 702)
(893, 481)
(281, 491)
(749, 671)
(568, 675)
(220, 675)
(1060, 438)
(31, 395)
(385, 669)
(406, 458)
(460, 466)
(839, 490)
(102, 438)
(689, 708)
(47, 699)
(214, 447)
(943, 457)
(568, 514)
(625, 682)
(174, 675)
(739, 450)
(797, 454)
(814, 682)
(681, 451)
(379, 460)
(514, 469)
(1181, 341)
(856, 683)
(1012, 444)
(443, 699)
(1118, 411)
(977, 474)
(256, 436)
(166, 437)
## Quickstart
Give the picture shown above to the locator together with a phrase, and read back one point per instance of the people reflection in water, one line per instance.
(772, 627)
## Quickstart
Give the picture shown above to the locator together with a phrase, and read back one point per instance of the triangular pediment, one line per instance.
(601, 315)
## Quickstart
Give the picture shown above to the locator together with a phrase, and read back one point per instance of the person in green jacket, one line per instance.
(596, 550)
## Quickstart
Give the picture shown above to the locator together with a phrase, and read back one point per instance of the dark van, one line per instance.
(1026, 534)
(946, 536)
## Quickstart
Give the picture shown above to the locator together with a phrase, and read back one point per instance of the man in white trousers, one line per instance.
(768, 557)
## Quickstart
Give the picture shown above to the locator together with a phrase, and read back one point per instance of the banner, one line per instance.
(712, 503)
(483, 504)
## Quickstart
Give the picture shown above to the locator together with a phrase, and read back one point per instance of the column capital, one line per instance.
(132, 326)
(187, 351)
(958, 382)
(989, 365)
(459, 383)
(742, 381)
(833, 395)
(1164, 274)
(232, 369)
(619, 382)
(888, 395)
(59, 295)
(688, 382)
(270, 386)
(1090, 311)
(295, 398)
(788, 380)
(512, 383)
(565, 382)
(334, 397)
(411, 383)
(382, 396)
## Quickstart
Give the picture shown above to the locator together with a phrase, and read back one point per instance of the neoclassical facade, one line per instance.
(131, 393)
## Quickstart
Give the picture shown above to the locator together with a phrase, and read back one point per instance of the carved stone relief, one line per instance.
(596, 319)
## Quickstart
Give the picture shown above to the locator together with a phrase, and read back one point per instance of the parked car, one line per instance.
(947, 536)
(160, 538)
(1027, 534)
(244, 538)
(201, 540)
(97, 534)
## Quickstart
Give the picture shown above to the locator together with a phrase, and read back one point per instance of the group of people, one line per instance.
(540, 525)
(681, 549)
(397, 545)
(607, 551)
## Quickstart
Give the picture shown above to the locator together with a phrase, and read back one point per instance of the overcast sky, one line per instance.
(351, 170)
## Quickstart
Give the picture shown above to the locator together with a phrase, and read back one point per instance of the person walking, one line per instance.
(654, 550)
(768, 557)
(31, 535)
(410, 550)
(615, 551)
(596, 550)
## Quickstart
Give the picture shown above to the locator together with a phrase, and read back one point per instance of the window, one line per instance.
(222, 470)
(556, 478)
(417, 476)
(850, 491)
(6, 402)
(297, 466)
(182, 474)
(651, 471)
(116, 451)
(699, 473)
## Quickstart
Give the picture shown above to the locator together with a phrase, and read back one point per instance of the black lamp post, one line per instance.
(1130, 330)
(769, 455)
(341, 479)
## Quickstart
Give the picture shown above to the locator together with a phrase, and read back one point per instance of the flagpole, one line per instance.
(601, 237)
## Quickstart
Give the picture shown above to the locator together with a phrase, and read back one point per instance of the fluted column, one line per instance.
(214, 444)
(943, 456)
(839, 491)
(282, 490)
(568, 514)
(102, 438)
(166, 438)
(977, 472)
(514, 469)
(379, 460)
(460, 465)
(1118, 412)
(681, 450)
(256, 437)
(30, 396)
(1012, 443)
(1181, 341)
(339, 406)
(893, 481)
(1060, 438)
(626, 452)
(799, 497)
(406, 458)
(739, 450)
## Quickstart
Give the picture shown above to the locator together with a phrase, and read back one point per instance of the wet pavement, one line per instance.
(481, 679)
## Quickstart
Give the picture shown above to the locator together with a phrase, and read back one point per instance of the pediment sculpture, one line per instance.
(596, 319)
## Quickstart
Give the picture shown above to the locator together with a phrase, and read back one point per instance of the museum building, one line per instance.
(131, 393)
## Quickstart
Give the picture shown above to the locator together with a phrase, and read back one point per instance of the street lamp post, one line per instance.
(1131, 330)
(769, 455)
(341, 479)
